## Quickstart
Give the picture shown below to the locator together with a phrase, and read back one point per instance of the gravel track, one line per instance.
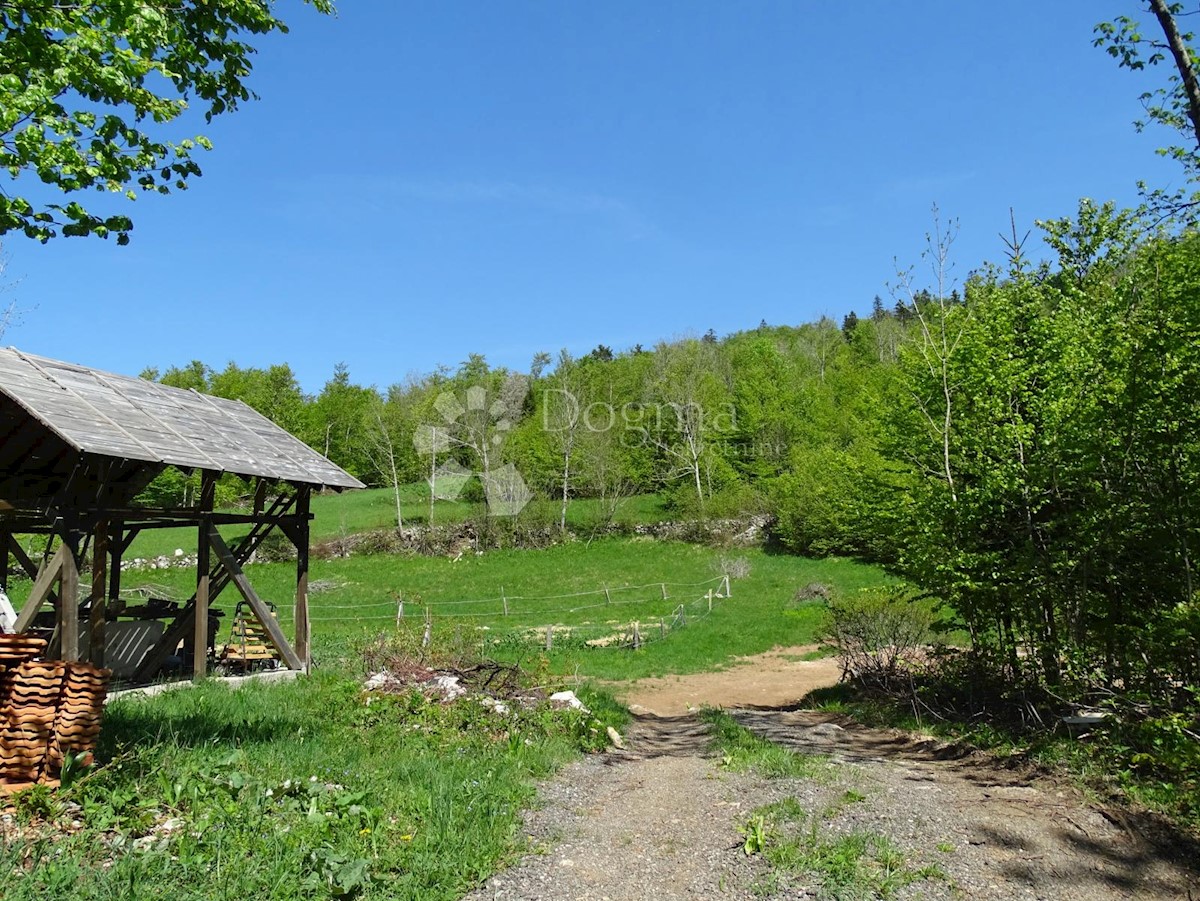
(660, 821)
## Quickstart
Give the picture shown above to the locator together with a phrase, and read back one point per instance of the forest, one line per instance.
(1023, 447)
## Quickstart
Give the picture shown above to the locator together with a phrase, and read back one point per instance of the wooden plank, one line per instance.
(68, 605)
(208, 493)
(5, 541)
(278, 639)
(117, 545)
(41, 589)
(300, 537)
(200, 640)
(98, 615)
(175, 633)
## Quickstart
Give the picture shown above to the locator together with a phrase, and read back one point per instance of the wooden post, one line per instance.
(504, 600)
(200, 625)
(399, 608)
(637, 636)
(607, 596)
(208, 495)
(682, 616)
(68, 601)
(710, 600)
(5, 541)
(664, 590)
(300, 614)
(549, 638)
(116, 550)
(98, 616)
(728, 592)
(428, 636)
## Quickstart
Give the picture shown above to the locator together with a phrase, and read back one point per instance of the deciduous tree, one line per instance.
(88, 86)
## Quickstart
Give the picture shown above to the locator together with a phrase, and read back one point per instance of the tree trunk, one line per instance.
(562, 520)
(1183, 63)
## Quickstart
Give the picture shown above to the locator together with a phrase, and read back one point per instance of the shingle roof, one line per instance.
(130, 418)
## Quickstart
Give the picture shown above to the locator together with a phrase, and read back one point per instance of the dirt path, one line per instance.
(778, 678)
(661, 819)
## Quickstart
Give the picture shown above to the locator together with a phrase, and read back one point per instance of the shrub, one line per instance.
(813, 591)
(734, 567)
(880, 634)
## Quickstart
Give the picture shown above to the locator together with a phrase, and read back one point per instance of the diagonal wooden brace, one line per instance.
(234, 569)
(41, 589)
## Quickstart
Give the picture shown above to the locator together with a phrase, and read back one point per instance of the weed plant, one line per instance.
(310, 789)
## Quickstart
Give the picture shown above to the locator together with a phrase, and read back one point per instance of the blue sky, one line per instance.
(423, 181)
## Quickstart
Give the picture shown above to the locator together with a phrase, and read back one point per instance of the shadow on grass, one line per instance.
(211, 715)
(131, 725)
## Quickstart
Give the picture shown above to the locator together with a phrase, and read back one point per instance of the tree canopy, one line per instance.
(1176, 106)
(86, 87)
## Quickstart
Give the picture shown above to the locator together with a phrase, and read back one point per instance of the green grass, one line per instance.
(338, 515)
(300, 790)
(410, 800)
(847, 866)
(361, 601)
(854, 866)
(741, 750)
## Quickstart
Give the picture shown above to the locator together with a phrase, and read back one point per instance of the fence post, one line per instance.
(710, 600)
(664, 590)
(637, 637)
(549, 638)
(682, 616)
(428, 636)
(399, 608)
(504, 600)
(607, 597)
(728, 591)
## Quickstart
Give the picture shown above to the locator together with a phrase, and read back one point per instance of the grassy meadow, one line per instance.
(300, 790)
(337, 515)
(355, 598)
(315, 789)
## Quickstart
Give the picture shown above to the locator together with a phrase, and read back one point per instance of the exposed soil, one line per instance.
(660, 819)
(778, 678)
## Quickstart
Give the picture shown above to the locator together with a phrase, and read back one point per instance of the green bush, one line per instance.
(881, 634)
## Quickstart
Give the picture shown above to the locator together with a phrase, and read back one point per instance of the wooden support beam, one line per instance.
(300, 616)
(208, 493)
(41, 589)
(27, 564)
(128, 538)
(68, 603)
(200, 613)
(98, 612)
(269, 624)
(5, 541)
(181, 627)
(116, 548)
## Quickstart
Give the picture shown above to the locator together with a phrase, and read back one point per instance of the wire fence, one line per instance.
(657, 610)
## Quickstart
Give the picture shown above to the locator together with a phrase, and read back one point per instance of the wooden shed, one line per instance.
(77, 446)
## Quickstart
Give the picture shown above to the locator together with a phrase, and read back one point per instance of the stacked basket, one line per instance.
(49, 709)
